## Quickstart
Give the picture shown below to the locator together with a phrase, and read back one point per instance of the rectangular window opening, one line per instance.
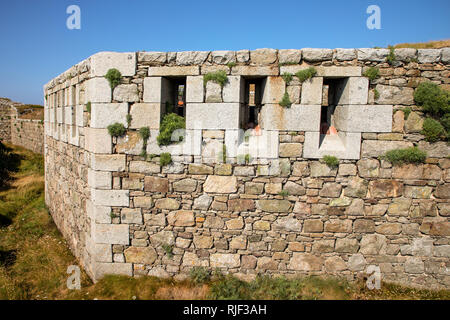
(175, 96)
(252, 103)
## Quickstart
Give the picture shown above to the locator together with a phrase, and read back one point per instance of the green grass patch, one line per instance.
(170, 123)
(372, 73)
(403, 156)
(116, 129)
(165, 158)
(287, 77)
(406, 112)
(113, 76)
(433, 130)
(331, 161)
(433, 100)
(219, 77)
(286, 101)
(306, 74)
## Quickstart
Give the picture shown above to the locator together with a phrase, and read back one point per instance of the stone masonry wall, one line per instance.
(28, 133)
(281, 211)
(5, 120)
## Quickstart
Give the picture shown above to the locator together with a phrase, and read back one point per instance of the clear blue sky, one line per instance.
(36, 46)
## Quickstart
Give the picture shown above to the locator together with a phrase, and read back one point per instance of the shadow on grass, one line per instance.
(9, 162)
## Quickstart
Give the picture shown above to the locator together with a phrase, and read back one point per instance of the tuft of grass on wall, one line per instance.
(391, 58)
(406, 112)
(116, 129)
(170, 123)
(219, 77)
(113, 76)
(372, 73)
(433, 99)
(287, 77)
(306, 74)
(165, 158)
(406, 155)
(331, 161)
(286, 101)
(433, 130)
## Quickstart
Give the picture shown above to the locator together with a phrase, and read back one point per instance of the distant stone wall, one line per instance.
(28, 134)
(273, 207)
(5, 120)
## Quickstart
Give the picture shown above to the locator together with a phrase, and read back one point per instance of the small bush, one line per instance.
(231, 64)
(407, 155)
(371, 73)
(287, 77)
(219, 77)
(165, 158)
(129, 118)
(88, 107)
(170, 123)
(376, 94)
(199, 275)
(391, 58)
(168, 249)
(113, 76)
(283, 193)
(116, 129)
(144, 132)
(331, 161)
(432, 99)
(306, 74)
(432, 130)
(286, 101)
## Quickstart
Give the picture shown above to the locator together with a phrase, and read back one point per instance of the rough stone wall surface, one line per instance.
(285, 212)
(28, 134)
(5, 120)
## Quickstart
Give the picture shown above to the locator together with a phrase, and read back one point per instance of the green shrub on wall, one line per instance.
(116, 129)
(433, 130)
(371, 73)
(331, 161)
(306, 74)
(286, 101)
(407, 155)
(219, 77)
(170, 123)
(165, 158)
(113, 76)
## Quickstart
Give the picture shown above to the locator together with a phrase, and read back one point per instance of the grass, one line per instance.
(165, 158)
(331, 161)
(425, 45)
(391, 58)
(371, 73)
(433, 130)
(116, 129)
(219, 77)
(287, 77)
(406, 112)
(113, 76)
(34, 259)
(169, 124)
(306, 74)
(407, 155)
(286, 101)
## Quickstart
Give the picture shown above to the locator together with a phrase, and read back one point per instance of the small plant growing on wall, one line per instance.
(306, 74)
(407, 155)
(376, 94)
(433, 130)
(170, 123)
(219, 77)
(406, 112)
(168, 249)
(391, 58)
(283, 193)
(129, 118)
(113, 75)
(286, 101)
(165, 158)
(144, 132)
(331, 161)
(116, 129)
(231, 64)
(287, 77)
(199, 275)
(222, 155)
(88, 107)
(371, 73)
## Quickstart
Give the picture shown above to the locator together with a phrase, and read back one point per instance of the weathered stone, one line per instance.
(428, 55)
(294, 188)
(300, 169)
(273, 205)
(220, 184)
(335, 264)
(368, 168)
(443, 191)
(356, 208)
(254, 188)
(162, 238)
(240, 205)
(369, 54)
(340, 202)
(347, 245)
(414, 265)
(290, 150)
(273, 188)
(223, 57)
(289, 224)
(126, 93)
(376, 148)
(235, 224)
(385, 188)
(244, 171)
(364, 226)
(200, 169)
(323, 246)
(435, 227)
(213, 92)
(435, 150)
(315, 225)
(345, 54)
(330, 189)
(203, 242)
(356, 187)
(181, 218)
(192, 260)
(203, 202)
(399, 207)
(395, 95)
(225, 260)
(223, 169)
(319, 169)
(191, 57)
(407, 171)
(413, 123)
(335, 225)
(373, 244)
(263, 56)
(131, 216)
(142, 255)
(156, 184)
(185, 185)
(347, 169)
(167, 203)
(289, 56)
(214, 222)
(389, 228)
(261, 225)
(144, 167)
(418, 192)
(314, 55)
(248, 262)
(305, 262)
(356, 262)
(152, 58)
(398, 121)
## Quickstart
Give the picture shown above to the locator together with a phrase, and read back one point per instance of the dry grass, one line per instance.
(425, 45)
(38, 257)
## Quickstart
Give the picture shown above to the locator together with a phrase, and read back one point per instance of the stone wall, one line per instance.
(28, 133)
(273, 207)
(5, 120)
